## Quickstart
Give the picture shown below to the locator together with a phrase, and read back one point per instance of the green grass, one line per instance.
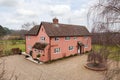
(9, 44)
(114, 51)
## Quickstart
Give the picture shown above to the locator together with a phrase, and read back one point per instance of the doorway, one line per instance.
(80, 48)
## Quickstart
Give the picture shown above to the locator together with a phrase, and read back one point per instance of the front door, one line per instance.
(79, 49)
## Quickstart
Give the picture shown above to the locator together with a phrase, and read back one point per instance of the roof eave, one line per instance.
(72, 36)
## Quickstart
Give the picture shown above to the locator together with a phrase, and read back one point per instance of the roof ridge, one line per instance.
(62, 30)
(63, 24)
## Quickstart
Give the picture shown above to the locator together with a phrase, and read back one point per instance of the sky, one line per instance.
(14, 13)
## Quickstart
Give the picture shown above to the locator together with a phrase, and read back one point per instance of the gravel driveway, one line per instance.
(68, 69)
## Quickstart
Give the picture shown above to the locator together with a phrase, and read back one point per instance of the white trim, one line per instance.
(71, 49)
(56, 38)
(59, 50)
(75, 38)
(67, 39)
(86, 46)
(42, 38)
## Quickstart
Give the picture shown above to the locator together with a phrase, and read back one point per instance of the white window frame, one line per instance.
(86, 45)
(67, 38)
(56, 38)
(75, 38)
(71, 48)
(57, 50)
(42, 38)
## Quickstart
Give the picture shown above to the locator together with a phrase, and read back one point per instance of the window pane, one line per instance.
(56, 50)
(67, 38)
(42, 38)
(86, 46)
(75, 38)
(56, 38)
(70, 47)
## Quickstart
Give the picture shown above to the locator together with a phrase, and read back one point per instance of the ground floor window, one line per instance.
(71, 47)
(86, 46)
(56, 50)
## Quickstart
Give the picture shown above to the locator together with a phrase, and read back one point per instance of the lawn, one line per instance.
(114, 51)
(7, 45)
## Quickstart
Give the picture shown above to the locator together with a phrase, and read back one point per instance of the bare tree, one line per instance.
(105, 17)
(27, 26)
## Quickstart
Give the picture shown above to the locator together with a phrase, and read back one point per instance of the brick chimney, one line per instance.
(55, 20)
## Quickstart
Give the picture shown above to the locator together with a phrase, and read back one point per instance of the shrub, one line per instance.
(87, 52)
(7, 53)
(38, 55)
(13, 42)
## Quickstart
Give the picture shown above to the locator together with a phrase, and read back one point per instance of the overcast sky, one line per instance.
(14, 13)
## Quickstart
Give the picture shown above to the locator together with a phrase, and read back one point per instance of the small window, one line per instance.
(67, 38)
(56, 38)
(75, 38)
(85, 37)
(86, 46)
(42, 38)
(71, 48)
(56, 50)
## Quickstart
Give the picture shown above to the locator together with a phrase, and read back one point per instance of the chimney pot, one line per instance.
(55, 20)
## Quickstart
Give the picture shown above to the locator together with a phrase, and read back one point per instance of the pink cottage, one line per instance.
(54, 40)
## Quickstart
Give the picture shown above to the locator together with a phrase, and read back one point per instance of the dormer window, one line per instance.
(67, 38)
(56, 38)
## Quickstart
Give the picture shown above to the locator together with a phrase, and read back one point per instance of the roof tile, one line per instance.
(53, 30)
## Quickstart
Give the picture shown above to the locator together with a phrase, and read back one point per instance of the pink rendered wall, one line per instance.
(34, 39)
(45, 55)
(64, 46)
(52, 44)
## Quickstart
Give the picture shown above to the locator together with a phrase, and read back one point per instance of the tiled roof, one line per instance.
(53, 30)
(39, 46)
(34, 31)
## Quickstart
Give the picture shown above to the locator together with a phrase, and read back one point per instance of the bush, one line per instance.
(7, 53)
(13, 42)
(38, 55)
